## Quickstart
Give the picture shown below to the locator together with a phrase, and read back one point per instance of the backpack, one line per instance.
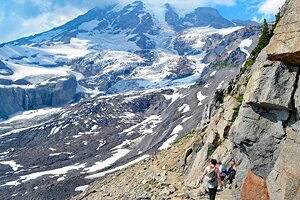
(212, 175)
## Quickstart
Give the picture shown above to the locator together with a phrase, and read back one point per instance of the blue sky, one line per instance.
(19, 18)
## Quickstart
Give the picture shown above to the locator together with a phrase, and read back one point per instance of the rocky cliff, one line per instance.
(266, 133)
(23, 95)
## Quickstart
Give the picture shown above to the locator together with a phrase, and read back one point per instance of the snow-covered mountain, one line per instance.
(118, 83)
(115, 50)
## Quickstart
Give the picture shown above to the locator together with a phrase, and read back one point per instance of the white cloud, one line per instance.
(43, 22)
(270, 7)
(52, 15)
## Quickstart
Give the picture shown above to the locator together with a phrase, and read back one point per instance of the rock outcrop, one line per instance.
(266, 133)
(285, 45)
(54, 92)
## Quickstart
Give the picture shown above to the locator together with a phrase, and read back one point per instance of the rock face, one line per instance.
(285, 45)
(254, 188)
(55, 92)
(266, 133)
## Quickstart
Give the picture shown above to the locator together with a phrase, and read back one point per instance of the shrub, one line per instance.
(235, 116)
(240, 98)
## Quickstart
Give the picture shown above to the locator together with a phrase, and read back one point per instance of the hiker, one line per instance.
(153, 157)
(223, 171)
(213, 178)
(232, 172)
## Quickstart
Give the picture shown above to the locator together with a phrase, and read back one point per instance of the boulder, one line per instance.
(272, 87)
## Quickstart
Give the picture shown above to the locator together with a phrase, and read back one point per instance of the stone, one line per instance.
(284, 180)
(285, 45)
(144, 182)
(55, 92)
(254, 188)
(271, 87)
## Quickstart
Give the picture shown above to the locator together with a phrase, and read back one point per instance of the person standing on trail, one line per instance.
(213, 178)
(223, 171)
(232, 172)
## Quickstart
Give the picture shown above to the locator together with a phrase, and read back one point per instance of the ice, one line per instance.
(227, 31)
(101, 174)
(61, 179)
(25, 70)
(200, 98)
(101, 144)
(119, 153)
(173, 97)
(54, 130)
(207, 85)
(12, 164)
(57, 154)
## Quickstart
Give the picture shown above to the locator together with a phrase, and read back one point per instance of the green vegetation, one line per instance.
(247, 65)
(235, 116)
(263, 40)
(277, 19)
(224, 64)
(240, 98)
(217, 141)
(237, 108)
(210, 152)
(265, 36)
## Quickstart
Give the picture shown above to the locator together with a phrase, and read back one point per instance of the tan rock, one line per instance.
(285, 45)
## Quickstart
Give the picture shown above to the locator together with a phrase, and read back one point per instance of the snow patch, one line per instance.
(13, 164)
(213, 73)
(81, 188)
(174, 135)
(220, 85)
(108, 162)
(184, 108)
(200, 98)
(101, 174)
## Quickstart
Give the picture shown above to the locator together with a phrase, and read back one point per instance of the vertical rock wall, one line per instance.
(266, 134)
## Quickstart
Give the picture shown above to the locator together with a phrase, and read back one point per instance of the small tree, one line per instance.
(277, 18)
(263, 40)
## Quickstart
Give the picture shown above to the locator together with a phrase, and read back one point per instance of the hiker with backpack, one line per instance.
(213, 178)
(223, 171)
